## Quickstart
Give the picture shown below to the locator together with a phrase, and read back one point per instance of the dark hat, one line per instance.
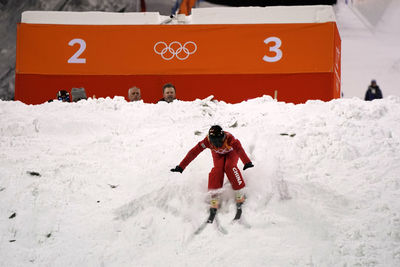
(216, 135)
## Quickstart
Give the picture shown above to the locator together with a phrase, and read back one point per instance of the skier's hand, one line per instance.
(248, 165)
(177, 169)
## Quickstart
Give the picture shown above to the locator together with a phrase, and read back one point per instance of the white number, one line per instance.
(75, 58)
(275, 49)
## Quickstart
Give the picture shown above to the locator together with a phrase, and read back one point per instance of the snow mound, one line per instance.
(88, 184)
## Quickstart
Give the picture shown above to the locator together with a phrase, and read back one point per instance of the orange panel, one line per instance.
(212, 49)
(295, 88)
(337, 65)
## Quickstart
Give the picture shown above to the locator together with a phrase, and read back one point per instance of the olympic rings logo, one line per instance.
(175, 49)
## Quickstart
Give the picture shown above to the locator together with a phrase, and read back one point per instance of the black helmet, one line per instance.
(216, 135)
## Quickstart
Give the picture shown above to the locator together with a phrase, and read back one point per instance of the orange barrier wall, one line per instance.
(231, 62)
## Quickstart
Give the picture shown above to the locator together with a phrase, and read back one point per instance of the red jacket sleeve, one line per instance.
(237, 146)
(194, 152)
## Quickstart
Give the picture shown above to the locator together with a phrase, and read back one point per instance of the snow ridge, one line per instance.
(324, 190)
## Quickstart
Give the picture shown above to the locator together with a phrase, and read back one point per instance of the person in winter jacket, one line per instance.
(169, 93)
(373, 92)
(226, 151)
(134, 94)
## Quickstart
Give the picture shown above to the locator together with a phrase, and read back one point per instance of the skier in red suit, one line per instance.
(226, 151)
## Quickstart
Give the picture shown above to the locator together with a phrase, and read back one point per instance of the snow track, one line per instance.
(324, 190)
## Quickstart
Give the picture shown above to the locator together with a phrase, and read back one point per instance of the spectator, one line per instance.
(63, 96)
(169, 93)
(134, 94)
(373, 92)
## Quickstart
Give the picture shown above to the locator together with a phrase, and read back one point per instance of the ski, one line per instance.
(217, 224)
(242, 222)
(219, 227)
(201, 228)
(213, 217)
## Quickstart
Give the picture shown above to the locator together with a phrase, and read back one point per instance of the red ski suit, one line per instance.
(225, 161)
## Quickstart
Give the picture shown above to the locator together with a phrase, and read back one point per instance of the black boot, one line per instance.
(213, 212)
(238, 211)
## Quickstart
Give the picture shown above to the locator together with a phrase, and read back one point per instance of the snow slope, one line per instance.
(324, 190)
(366, 54)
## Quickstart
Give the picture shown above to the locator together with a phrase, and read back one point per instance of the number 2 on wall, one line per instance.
(75, 58)
(275, 49)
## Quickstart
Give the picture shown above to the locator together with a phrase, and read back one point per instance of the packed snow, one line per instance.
(324, 190)
(89, 183)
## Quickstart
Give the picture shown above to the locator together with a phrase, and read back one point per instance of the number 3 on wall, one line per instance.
(75, 58)
(275, 49)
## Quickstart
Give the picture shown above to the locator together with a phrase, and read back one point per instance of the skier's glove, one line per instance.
(248, 165)
(177, 169)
